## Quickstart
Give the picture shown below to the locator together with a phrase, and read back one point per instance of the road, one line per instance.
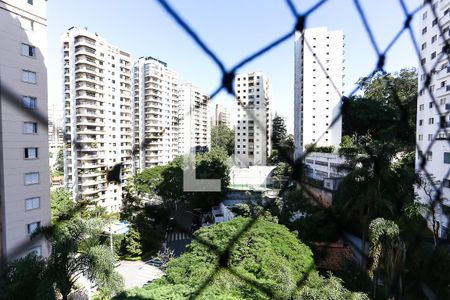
(137, 273)
(177, 241)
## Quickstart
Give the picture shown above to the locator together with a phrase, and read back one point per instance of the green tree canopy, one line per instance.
(266, 261)
(222, 137)
(387, 108)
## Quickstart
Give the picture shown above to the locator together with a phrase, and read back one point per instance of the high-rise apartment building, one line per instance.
(318, 87)
(97, 117)
(24, 172)
(194, 128)
(155, 92)
(433, 117)
(221, 115)
(253, 127)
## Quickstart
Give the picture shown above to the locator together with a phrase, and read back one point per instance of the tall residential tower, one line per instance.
(253, 127)
(318, 87)
(155, 92)
(194, 133)
(433, 116)
(24, 172)
(97, 117)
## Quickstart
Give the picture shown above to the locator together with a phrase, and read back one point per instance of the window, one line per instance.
(446, 157)
(31, 153)
(442, 101)
(424, 30)
(434, 23)
(430, 105)
(31, 178)
(36, 250)
(421, 106)
(446, 183)
(424, 16)
(423, 61)
(32, 203)
(433, 55)
(30, 2)
(29, 127)
(420, 137)
(433, 38)
(424, 45)
(32, 227)
(29, 102)
(28, 76)
(430, 137)
(429, 155)
(430, 121)
(420, 122)
(28, 50)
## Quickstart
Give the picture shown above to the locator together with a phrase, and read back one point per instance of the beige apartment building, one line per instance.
(97, 117)
(24, 172)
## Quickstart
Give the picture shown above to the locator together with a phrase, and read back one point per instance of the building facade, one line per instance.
(97, 117)
(221, 115)
(433, 110)
(24, 172)
(318, 88)
(194, 132)
(155, 116)
(253, 127)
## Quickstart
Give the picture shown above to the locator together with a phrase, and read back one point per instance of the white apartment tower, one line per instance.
(194, 129)
(433, 117)
(253, 127)
(97, 117)
(24, 172)
(155, 92)
(318, 87)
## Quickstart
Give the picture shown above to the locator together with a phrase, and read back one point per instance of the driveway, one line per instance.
(137, 273)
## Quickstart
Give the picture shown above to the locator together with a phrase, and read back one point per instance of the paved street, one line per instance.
(177, 241)
(137, 273)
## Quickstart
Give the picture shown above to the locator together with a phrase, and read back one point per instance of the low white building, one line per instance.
(325, 167)
(253, 177)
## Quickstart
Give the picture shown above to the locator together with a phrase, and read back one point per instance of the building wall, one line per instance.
(253, 127)
(223, 115)
(433, 120)
(318, 87)
(324, 165)
(23, 23)
(193, 115)
(155, 92)
(97, 116)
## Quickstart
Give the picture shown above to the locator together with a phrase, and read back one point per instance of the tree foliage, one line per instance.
(387, 109)
(270, 263)
(20, 279)
(59, 164)
(222, 137)
(279, 133)
(75, 250)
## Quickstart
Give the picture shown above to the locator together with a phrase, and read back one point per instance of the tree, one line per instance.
(222, 137)
(266, 261)
(20, 279)
(75, 250)
(278, 131)
(59, 164)
(61, 203)
(131, 243)
(387, 110)
(388, 248)
(211, 165)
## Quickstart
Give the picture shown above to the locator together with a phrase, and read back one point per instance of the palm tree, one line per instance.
(76, 252)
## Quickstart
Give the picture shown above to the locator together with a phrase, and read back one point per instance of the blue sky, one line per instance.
(233, 29)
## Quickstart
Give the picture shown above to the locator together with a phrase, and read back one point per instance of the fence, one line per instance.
(299, 22)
